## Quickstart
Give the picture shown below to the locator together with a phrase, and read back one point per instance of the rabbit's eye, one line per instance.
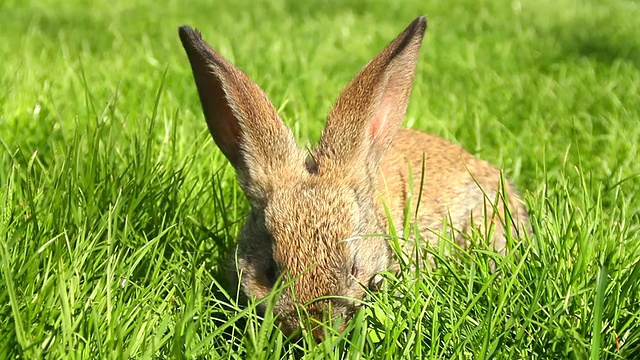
(376, 282)
(271, 274)
(354, 270)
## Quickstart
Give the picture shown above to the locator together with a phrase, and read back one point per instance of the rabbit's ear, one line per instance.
(370, 110)
(240, 117)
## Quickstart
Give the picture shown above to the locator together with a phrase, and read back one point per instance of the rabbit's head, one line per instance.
(306, 236)
(314, 216)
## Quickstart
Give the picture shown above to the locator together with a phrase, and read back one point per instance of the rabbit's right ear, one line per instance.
(243, 122)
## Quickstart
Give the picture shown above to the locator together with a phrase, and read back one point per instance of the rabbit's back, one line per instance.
(456, 186)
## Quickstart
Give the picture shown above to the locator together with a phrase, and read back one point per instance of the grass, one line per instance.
(117, 212)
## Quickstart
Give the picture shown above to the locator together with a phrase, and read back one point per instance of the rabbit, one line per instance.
(311, 209)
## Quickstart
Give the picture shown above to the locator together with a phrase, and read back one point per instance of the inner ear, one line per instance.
(380, 119)
(388, 117)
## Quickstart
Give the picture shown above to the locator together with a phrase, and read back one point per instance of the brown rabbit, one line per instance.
(307, 212)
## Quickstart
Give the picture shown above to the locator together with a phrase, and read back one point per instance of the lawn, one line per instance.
(118, 213)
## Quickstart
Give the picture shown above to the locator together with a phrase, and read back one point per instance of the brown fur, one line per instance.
(309, 214)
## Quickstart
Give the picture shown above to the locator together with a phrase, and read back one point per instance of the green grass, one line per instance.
(117, 212)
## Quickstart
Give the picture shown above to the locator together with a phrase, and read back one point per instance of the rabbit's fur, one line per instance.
(308, 210)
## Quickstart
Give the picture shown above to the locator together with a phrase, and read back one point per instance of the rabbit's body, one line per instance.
(312, 215)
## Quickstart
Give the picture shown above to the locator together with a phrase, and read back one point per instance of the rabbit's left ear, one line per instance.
(370, 110)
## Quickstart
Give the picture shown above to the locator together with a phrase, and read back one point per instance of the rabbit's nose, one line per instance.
(342, 326)
(334, 325)
(318, 334)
